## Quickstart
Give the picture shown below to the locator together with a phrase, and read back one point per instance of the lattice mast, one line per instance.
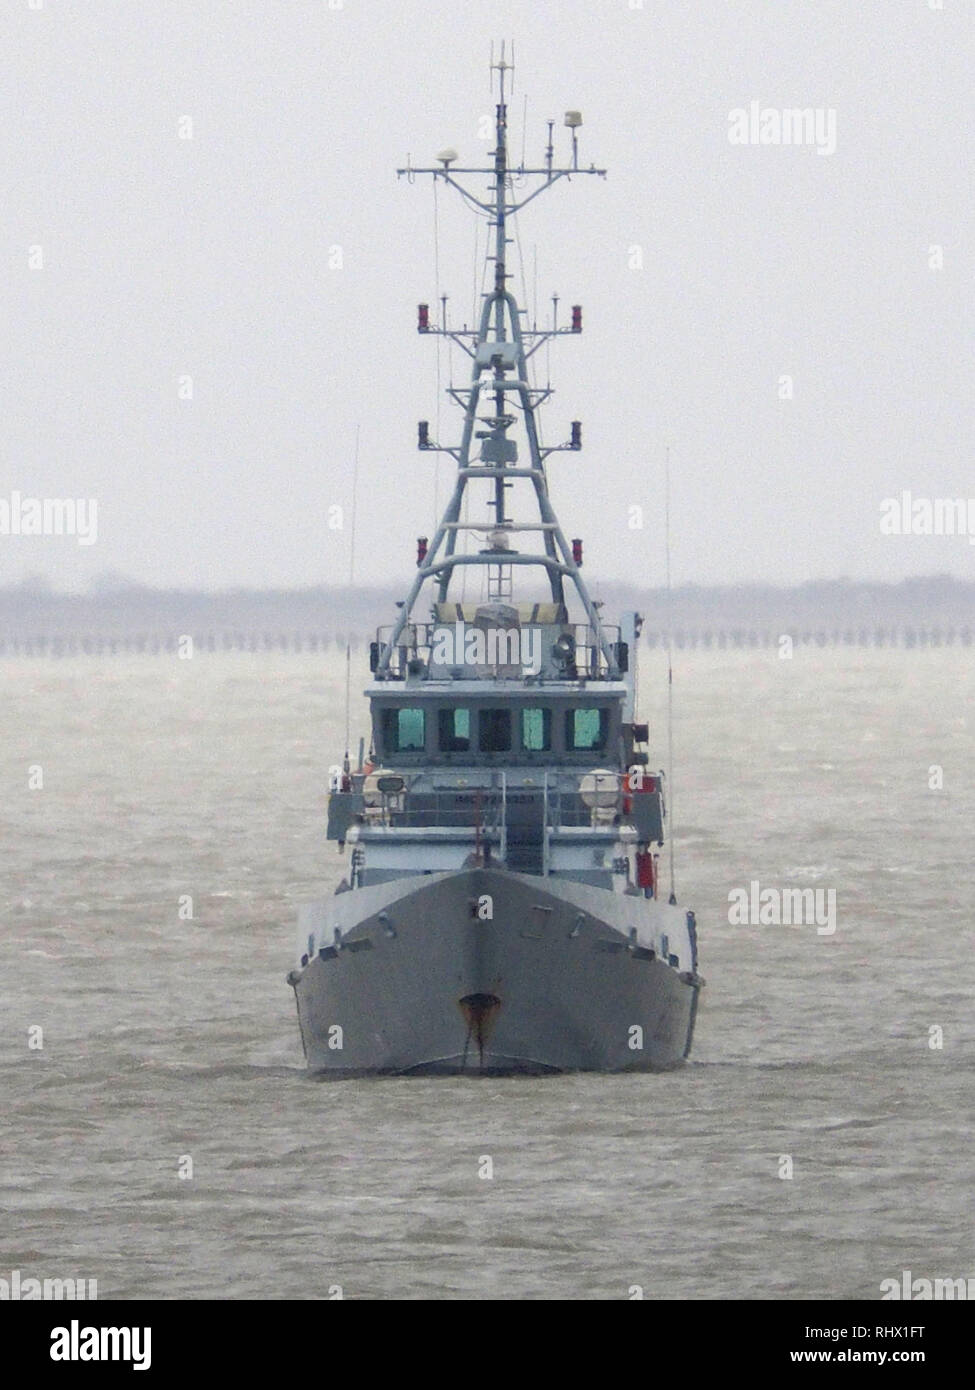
(499, 348)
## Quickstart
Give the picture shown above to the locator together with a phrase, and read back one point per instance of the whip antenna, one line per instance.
(346, 762)
(670, 674)
(442, 300)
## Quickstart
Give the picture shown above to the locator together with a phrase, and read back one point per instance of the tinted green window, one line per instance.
(585, 730)
(495, 730)
(536, 730)
(404, 730)
(455, 730)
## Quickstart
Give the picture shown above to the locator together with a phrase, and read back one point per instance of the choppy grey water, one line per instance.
(165, 1037)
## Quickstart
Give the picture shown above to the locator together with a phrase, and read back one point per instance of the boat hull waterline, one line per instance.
(412, 977)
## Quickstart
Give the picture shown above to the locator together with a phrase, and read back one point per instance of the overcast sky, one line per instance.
(213, 258)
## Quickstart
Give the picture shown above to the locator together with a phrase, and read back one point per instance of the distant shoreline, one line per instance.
(932, 611)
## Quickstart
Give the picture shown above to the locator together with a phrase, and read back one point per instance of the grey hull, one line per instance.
(561, 977)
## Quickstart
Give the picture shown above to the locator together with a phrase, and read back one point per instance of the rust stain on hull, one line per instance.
(480, 1013)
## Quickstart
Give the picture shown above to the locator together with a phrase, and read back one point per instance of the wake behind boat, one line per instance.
(500, 911)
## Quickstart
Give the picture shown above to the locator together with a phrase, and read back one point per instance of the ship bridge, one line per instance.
(538, 774)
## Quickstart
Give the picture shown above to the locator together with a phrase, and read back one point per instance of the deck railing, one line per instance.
(412, 653)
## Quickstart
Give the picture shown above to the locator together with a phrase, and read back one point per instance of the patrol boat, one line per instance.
(501, 910)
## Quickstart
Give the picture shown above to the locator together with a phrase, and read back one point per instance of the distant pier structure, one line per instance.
(801, 636)
(179, 644)
(183, 644)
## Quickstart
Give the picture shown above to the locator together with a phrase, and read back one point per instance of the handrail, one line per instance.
(545, 831)
(503, 849)
(416, 642)
(466, 808)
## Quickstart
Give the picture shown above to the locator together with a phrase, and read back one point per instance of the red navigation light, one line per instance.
(421, 550)
(577, 551)
(576, 440)
(423, 434)
(577, 318)
(423, 318)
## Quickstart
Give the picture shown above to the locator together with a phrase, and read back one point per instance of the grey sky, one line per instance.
(210, 257)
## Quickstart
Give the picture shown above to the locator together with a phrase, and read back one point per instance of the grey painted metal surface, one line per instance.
(558, 977)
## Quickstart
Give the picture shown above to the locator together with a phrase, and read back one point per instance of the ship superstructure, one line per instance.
(501, 907)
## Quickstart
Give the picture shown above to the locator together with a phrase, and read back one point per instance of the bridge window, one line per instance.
(455, 730)
(536, 730)
(586, 730)
(495, 730)
(404, 730)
